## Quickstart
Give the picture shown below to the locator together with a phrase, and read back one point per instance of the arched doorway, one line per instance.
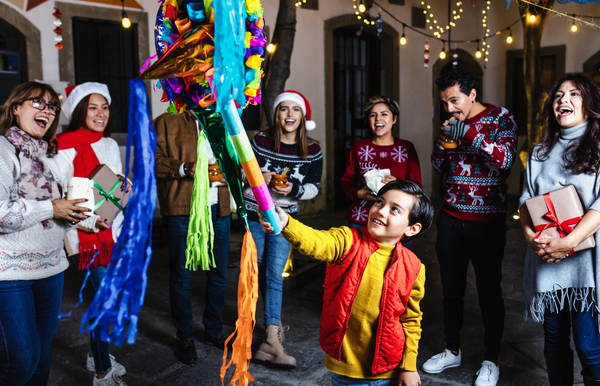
(12, 59)
(358, 66)
(442, 66)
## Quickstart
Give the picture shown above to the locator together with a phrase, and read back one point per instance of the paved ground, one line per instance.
(151, 361)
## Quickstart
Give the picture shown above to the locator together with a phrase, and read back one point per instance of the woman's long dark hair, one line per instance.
(80, 114)
(20, 95)
(581, 157)
(273, 134)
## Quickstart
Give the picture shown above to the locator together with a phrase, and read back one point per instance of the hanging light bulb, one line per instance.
(574, 27)
(532, 18)
(478, 52)
(443, 52)
(403, 38)
(126, 22)
(270, 48)
(509, 39)
(362, 7)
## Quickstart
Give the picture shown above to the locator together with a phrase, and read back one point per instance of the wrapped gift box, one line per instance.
(112, 185)
(563, 204)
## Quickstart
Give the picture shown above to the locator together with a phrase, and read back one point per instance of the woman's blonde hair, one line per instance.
(20, 95)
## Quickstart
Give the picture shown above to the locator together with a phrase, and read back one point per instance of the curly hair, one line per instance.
(20, 95)
(465, 79)
(390, 103)
(582, 157)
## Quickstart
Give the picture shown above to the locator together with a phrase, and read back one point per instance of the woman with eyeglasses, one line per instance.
(84, 145)
(33, 222)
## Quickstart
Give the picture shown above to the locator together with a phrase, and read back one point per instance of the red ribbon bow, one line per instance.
(564, 228)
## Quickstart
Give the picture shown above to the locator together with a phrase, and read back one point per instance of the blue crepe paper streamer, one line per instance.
(121, 293)
(230, 49)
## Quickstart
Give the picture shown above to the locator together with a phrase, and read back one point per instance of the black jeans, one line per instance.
(481, 242)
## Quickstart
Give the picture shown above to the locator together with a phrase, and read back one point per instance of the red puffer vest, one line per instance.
(342, 281)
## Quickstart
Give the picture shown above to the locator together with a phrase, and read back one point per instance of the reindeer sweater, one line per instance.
(305, 174)
(477, 169)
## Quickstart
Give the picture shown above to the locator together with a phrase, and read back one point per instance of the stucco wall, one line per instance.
(415, 84)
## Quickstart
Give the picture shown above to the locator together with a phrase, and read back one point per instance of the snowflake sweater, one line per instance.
(305, 174)
(401, 158)
(477, 169)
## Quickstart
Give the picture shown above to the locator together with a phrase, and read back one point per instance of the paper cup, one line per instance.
(79, 187)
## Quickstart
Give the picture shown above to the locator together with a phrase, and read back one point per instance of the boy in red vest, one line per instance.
(371, 319)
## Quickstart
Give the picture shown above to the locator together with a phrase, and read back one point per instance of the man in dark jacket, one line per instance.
(177, 137)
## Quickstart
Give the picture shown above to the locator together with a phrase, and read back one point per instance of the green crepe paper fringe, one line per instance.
(200, 237)
(214, 127)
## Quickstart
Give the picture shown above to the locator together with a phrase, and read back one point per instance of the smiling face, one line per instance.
(388, 217)
(290, 116)
(458, 104)
(381, 120)
(33, 121)
(568, 105)
(98, 113)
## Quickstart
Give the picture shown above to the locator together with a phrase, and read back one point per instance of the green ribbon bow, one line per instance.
(108, 195)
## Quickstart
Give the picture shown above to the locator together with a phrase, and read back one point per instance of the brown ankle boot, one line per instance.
(272, 351)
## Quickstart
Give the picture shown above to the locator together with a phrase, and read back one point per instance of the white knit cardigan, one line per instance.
(28, 251)
(107, 151)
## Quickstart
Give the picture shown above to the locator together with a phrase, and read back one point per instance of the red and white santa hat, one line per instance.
(76, 93)
(295, 96)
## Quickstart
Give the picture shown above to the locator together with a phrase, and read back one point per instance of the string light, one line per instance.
(509, 39)
(443, 52)
(299, 3)
(126, 22)
(531, 18)
(478, 52)
(574, 28)
(403, 38)
(271, 48)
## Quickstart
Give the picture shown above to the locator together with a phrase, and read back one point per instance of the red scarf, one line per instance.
(84, 163)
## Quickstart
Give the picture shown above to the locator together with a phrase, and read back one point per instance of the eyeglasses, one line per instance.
(40, 104)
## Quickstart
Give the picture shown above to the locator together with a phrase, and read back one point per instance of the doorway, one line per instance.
(106, 52)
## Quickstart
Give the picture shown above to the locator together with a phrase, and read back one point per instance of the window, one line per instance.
(12, 53)
(106, 52)
(553, 65)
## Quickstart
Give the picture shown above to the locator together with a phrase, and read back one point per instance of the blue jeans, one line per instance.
(341, 380)
(272, 255)
(179, 282)
(557, 329)
(98, 348)
(28, 320)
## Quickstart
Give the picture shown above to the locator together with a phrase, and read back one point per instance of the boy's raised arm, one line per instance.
(326, 246)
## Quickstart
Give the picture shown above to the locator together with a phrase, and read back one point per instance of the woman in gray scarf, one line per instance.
(562, 288)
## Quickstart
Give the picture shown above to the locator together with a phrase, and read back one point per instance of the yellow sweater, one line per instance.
(358, 346)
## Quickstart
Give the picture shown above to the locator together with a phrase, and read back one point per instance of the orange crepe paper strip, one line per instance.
(244, 326)
(254, 174)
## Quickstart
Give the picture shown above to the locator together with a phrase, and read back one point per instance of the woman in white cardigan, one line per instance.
(33, 221)
(83, 145)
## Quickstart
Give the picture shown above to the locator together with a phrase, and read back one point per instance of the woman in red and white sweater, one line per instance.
(382, 151)
(85, 144)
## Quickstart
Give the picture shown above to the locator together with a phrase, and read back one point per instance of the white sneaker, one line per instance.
(118, 368)
(488, 374)
(440, 362)
(111, 379)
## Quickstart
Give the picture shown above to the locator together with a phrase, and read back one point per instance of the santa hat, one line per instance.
(76, 93)
(295, 96)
